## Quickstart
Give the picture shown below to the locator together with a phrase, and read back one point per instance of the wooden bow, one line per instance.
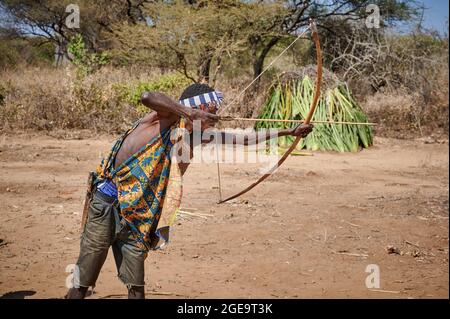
(315, 38)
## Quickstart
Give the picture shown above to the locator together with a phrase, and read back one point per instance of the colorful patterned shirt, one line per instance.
(141, 182)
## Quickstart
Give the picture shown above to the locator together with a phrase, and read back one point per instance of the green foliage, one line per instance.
(170, 84)
(198, 39)
(292, 100)
(18, 51)
(8, 55)
(86, 62)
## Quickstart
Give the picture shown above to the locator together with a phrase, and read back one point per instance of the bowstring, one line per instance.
(237, 97)
(265, 69)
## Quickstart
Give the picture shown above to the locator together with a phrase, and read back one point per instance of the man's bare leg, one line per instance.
(136, 292)
(77, 293)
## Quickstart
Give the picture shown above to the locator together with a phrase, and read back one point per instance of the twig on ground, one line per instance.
(189, 210)
(204, 216)
(386, 291)
(313, 238)
(305, 273)
(351, 224)
(162, 293)
(349, 254)
(193, 215)
(412, 244)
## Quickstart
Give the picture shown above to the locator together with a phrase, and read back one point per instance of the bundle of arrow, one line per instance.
(342, 128)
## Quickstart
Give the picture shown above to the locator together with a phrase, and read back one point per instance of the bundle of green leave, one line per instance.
(291, 100)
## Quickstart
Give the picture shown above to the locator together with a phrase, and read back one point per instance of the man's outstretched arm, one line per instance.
(255, 138)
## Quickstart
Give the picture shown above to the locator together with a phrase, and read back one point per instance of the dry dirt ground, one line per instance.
(310, 230)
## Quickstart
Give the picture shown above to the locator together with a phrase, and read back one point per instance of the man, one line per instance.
(131, 182)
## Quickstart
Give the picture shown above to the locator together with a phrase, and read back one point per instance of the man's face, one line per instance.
(210, 107)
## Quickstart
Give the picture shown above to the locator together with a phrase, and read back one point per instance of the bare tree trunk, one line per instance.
(216, 71)
(61, 54)
(204, 66)
(258, 65)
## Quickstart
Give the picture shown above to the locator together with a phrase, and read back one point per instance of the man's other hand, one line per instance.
(302, 130)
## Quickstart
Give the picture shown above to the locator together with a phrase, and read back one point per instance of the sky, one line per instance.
(436, 14)
(435, 17)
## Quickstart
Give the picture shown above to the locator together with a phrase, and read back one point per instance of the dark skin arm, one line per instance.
(255, 138)
(301, 130)
(167, 112)
(168, 108)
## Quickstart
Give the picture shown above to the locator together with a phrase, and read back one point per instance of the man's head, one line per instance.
(201, 96)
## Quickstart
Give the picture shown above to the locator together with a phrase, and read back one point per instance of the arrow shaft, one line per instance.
(292, 121)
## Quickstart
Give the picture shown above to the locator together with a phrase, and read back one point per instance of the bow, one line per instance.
(315, 38)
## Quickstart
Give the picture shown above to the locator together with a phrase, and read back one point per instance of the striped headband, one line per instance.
(195, 101)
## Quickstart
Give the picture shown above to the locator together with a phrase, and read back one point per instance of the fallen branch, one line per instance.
(351, 224)
(386, 291)
(350, 254)
(412, 244)
(162, 293)
(188, 211)
(204, 216)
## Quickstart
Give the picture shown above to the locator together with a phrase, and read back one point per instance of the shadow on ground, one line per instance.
(18, 294)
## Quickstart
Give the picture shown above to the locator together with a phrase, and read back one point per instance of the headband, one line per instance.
(196, 101)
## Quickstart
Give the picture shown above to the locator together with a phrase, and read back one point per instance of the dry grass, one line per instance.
(405, 114)
(33, 98)
(50, 99)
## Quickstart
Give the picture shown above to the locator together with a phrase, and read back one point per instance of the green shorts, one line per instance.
(105, 228)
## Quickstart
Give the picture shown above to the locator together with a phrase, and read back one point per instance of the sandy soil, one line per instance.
(310, 230)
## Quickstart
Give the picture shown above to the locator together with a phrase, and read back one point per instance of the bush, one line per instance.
(170, 84)
(291, 99)
(86, 62)
(18, 52)
(105, 101)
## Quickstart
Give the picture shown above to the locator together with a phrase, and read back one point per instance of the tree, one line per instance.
(188, 35)
(297, 14)
(46, 19)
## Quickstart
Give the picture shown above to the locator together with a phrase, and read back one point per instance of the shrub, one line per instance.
(85, 62)
(105, 101)
(170, 84)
